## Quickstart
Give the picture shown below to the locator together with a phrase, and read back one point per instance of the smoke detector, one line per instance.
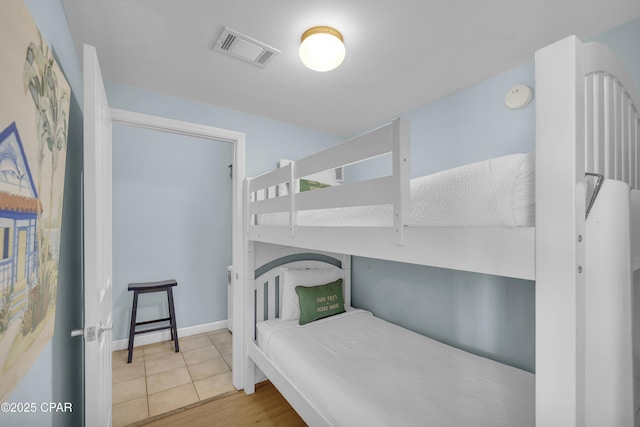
(245, 48)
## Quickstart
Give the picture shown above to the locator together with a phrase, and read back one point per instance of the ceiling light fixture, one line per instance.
(322, 48)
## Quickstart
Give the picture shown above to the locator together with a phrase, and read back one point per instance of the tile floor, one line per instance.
(159, 380)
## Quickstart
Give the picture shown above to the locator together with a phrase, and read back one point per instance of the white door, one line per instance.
(97, 244)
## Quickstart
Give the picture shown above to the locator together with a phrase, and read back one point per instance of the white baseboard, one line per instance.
(154, 337)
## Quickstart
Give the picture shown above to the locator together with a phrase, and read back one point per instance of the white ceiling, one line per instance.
(401, 54)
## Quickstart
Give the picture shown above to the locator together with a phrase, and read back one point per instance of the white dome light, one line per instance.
(322, 48)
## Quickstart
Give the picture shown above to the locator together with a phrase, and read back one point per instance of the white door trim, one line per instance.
(163, 124)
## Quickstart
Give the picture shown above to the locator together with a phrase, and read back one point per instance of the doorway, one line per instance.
(173, 217)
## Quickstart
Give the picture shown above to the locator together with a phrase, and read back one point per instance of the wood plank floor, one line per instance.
(266, 407)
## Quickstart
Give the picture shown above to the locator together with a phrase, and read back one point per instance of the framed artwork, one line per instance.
(34, 113)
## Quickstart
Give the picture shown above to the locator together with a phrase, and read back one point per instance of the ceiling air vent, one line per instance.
(245, 48)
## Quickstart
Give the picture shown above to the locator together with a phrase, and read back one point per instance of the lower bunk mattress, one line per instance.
(359, 370)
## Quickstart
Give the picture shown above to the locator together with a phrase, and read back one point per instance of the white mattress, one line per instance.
(359, 370)
(494, 192)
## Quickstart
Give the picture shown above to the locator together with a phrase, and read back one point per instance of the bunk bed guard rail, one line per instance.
(265, 197)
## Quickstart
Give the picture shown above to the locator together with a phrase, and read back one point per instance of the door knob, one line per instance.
(91, 332)
(102, 329)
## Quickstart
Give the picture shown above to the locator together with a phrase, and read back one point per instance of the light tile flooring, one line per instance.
(159, 380)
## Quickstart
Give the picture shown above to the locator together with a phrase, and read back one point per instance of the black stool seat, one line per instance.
(152, 286)
(147, 287)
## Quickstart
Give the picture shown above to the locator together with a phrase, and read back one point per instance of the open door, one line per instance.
(97, 245)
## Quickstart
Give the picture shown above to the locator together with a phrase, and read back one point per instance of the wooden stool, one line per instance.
(147, 287)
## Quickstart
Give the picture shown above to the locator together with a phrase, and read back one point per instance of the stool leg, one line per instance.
(169, 295)
(132, 328)
(172, 315)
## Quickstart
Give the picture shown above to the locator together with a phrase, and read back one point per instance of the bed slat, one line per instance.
(271, 299)
(611, 126)
(636, 156)
(632, 148)
(599, 123)
(278, 176)
(591, 124)
(624, 142)
(363, 147)
(376, 191)
(260, 302)
(617, 132)
(277, 204)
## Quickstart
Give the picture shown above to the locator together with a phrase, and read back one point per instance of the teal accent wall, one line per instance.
(487, 315)
(68, 357)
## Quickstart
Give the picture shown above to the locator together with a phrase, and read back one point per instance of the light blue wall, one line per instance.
(35, 387)
(625, 42)
(487, 315)
(171, 219)
(57, 375)
(172, 202)
(471, 125)
(266, 140)
(467, 126)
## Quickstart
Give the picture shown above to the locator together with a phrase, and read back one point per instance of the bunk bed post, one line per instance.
(401, 176)
(244, 280)
(247, 200)
(239, 246)
(346, 268)
(248, 317)
(294, 189)
(560, 225)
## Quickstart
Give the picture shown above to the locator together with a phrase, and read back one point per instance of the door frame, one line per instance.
(179, 127)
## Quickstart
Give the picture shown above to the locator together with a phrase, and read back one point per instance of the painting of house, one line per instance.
(19, 208)
(34, 116)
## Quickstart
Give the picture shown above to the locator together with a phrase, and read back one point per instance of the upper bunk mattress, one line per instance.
(498, 192)
(357, 369)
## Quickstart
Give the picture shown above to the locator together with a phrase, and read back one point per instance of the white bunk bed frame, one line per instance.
(586, 121)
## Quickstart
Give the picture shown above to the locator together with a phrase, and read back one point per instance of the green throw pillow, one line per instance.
(317, 302)
(308, 185)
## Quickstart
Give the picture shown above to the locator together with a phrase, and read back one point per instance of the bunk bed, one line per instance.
(587, 125)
